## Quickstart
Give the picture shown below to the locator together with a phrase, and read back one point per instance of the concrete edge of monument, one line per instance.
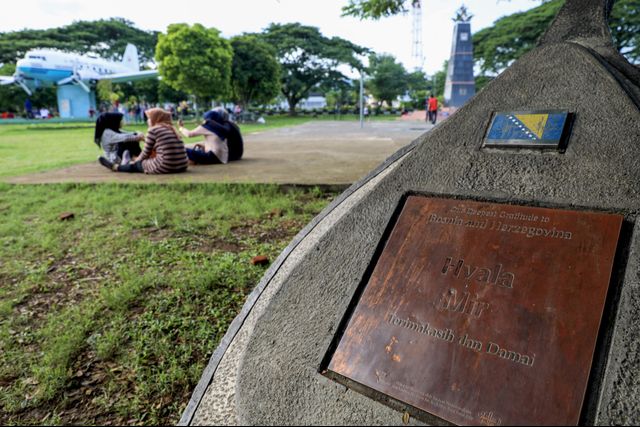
(586, 25)
(303, 298)
(238, 322)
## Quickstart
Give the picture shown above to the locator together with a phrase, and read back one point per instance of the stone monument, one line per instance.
(460, 85)
(486, 274)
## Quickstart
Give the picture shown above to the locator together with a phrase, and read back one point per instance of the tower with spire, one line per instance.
(460, 84)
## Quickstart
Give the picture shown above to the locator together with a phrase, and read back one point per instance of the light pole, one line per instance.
(361, 99)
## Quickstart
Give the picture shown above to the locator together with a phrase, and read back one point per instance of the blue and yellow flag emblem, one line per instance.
(527, 129)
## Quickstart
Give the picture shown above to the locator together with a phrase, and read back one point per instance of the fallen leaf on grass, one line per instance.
(65, 216)
(260, 260)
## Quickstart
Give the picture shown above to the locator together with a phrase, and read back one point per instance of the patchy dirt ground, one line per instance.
(316, 153)
(80, 345)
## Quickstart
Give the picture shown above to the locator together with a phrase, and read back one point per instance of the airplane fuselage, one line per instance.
(46, 67)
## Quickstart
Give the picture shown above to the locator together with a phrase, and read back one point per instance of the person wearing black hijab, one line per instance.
(110, 137)
(215, 129)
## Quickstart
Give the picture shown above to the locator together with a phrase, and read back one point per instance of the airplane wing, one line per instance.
(130, 77)
(79, 78)
(7, 80)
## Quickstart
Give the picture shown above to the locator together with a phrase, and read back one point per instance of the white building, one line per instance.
(315, 100)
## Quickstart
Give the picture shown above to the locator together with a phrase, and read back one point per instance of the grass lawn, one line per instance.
(40, 147)
(110, 317)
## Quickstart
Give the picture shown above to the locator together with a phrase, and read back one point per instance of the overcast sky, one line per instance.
(390, 35)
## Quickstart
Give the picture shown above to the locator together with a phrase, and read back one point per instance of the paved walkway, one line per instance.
(313, 153)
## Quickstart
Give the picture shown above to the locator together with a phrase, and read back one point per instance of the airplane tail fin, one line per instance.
(130, 58)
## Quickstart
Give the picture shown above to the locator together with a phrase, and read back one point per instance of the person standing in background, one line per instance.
(432, 109)
(28, 108)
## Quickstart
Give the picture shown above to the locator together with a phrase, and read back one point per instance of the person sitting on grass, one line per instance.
(118, 146)
(222, 139)
(214, 149)
(163, 140)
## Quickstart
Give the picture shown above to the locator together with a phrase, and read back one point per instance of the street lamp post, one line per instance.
(361, 99)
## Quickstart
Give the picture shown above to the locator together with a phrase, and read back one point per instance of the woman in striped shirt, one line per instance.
(163, 152)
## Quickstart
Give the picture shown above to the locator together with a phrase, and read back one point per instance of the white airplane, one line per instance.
(49, 67)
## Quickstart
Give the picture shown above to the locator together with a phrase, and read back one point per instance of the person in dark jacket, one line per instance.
(222, 139)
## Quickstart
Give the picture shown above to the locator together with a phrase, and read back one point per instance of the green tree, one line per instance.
(255, 71)
(146, 90)
(437, 81)
(417, 86)
(105, 92)
(168, 94)
(376, 9)
(440, 80)
(308, 58)
(11, 97)
(106, 38)
(196, 60)
(625, 27)
(340, 93)
(388, 78)
(496, 47)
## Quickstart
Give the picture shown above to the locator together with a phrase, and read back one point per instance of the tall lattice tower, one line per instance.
(417, 53)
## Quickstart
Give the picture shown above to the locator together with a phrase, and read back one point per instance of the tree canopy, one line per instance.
(106, 38)
(388, 79)
(308, 58)
(510, 37)
(255, 71)
(376, 9)
(624, 23)
(496, 47)
(196, 60)
(417, 88)
(341, 93)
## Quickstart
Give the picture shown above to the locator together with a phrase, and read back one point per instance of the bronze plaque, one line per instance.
(483, 313)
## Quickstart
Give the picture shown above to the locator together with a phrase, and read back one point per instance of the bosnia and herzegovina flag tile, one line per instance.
(527, 129)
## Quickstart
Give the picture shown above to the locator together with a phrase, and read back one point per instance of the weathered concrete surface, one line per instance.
(272, 373)
(320, 152)
(218, 405)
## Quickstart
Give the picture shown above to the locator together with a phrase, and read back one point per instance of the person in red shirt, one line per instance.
(432, 109)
